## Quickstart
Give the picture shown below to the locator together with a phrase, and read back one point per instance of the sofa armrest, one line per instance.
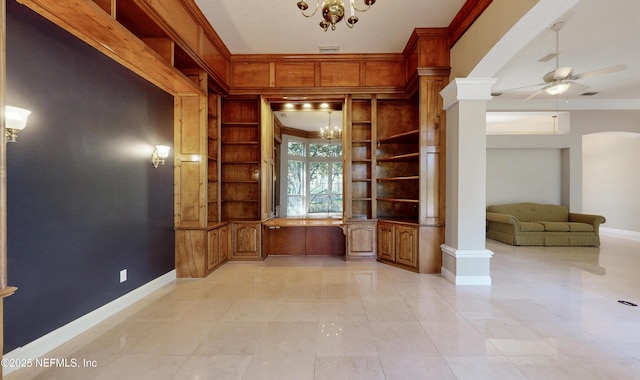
(501, 218)
(594, 220)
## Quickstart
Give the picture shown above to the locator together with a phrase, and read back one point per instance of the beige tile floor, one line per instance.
(552, 313)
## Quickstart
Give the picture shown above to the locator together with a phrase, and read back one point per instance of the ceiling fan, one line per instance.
(558, 81)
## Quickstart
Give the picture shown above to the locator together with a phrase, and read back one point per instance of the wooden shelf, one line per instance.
(354, 142)
(408, 157)
(252, 124)
(401, 138)
(398, 200)
(240, 142)
(361, 179)
(407, 178)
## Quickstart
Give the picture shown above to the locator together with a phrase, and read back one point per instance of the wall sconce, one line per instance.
(16, 120)
(159, 155)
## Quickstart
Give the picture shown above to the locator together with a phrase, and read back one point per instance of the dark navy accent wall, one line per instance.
(84, 201)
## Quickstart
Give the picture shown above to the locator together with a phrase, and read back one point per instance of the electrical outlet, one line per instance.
(123, 275)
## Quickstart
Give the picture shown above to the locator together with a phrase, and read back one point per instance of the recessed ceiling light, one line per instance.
(306, 105)
(324, 105)
(289, 105)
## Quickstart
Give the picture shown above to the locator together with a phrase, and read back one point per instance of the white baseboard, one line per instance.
(46, 343)
(622, 234)
(466, 280)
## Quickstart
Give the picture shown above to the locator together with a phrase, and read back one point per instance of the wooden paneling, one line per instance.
(108, 6)
(431, 237)
(325, 241)
(379, 74)
(189, 210)
(433, 49)
(214, 56)
(178, 19)
(163, 46)
(191, 250)
(358, 73)
(339, 74)
(189, 114)
(286, 241)
(294, 74)
(250, 74)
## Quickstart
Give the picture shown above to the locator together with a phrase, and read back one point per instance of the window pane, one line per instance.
(319, 187)
(325, 150)
(336, 187)
(295, 148)
(295, 188)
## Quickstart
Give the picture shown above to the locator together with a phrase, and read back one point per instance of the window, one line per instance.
(314, 178)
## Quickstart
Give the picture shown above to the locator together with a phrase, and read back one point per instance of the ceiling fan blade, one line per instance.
(523, 87)
(534, 94)
(599, 72)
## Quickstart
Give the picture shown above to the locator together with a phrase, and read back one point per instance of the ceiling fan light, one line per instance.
(558, 88)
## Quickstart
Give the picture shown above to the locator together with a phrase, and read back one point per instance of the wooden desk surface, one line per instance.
(300, 222)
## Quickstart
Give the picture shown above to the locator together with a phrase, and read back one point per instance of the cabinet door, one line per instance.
(224, 243)
(385, 242)
(361, 239)
(406, 239)
(213, 249)
(245, 240)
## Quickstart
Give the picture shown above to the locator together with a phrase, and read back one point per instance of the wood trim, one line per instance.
(91, 24)
(467, 15)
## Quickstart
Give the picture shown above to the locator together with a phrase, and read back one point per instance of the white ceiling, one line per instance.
(277, 27)
(597, 34)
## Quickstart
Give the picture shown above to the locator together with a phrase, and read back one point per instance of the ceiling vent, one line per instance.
(589, 93)
(329, 49)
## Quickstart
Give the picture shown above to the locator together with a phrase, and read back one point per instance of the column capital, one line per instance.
(467, 89)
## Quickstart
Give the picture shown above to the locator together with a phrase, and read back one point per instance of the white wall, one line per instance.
(524, 175)
(605, 164)
(610, 166)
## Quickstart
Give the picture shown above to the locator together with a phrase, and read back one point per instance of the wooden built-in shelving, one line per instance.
(240, 159)
(397, 164)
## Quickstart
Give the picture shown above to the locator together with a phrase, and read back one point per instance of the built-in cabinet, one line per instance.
(218, 246)
(394, 181)
(240, 135)
(360, 190)
(409, 178)
(398, 243)
(246, 240)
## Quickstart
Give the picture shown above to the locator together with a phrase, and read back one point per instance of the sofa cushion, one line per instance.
(580, 227)
(531, 227)
(555, 226)
(528, 212)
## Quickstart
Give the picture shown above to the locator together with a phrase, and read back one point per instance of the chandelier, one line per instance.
(333, 11)
(328, 133)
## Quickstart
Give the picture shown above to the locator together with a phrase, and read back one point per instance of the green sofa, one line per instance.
(540, 224)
